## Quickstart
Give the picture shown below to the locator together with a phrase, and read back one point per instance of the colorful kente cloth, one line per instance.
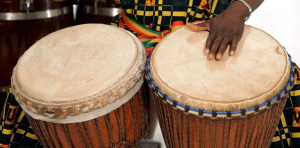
(288, 131)
(15, 131)
(159, 15)
(150, 20)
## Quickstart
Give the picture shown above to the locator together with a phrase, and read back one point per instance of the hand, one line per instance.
(225, 30)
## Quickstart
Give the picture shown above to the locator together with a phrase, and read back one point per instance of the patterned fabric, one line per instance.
(15, 131)
(288, 131)
(153, 19)
(159, 15)
(147, 36)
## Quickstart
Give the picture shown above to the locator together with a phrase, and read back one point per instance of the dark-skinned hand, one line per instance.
(225, 30)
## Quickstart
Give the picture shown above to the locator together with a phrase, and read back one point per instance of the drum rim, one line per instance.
(196, 98)
(214, 113)
(62, 112)
(238, 109)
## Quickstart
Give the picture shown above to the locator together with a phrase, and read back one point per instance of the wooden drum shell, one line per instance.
(184, 130)
(123, 127)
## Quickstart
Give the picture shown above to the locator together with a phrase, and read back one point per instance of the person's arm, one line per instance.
(225, 29)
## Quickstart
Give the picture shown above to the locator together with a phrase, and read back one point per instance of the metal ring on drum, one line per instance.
(96, 11)
(17, 16)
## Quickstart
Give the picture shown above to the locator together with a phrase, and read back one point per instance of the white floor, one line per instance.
(281, 19)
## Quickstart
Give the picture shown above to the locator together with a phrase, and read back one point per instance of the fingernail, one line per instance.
(231, 53)
(210, 56)
(198, 22)
(219, 56)
(206, 50)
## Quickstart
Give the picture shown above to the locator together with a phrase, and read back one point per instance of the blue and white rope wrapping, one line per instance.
(215, 113)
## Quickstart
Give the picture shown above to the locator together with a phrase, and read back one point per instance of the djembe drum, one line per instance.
(96, 11)
(235, 102)
(82, 89)
(22, 23)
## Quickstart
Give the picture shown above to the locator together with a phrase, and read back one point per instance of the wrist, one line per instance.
(243, 7)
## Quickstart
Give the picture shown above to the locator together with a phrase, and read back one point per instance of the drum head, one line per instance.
(80, 68)
(258, 71)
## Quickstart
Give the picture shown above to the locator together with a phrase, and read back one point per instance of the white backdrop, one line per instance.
(281, 19)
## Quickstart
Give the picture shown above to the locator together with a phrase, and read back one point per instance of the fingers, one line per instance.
(217, 49)
(204, 26)
(214, 48)
(222, 33)
(233, 47)
(209, 42)
(222, 49)
(218, 41)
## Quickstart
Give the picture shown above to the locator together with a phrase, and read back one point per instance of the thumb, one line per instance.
(202, 26)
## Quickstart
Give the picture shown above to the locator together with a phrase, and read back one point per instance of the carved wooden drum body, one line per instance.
(235, 102)
(82, 89)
